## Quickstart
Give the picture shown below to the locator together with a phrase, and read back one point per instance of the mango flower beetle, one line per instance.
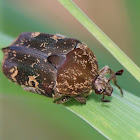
(56, 66)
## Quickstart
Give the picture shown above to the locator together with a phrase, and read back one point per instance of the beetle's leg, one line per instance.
(103, 100)
(80, 99)
(32, 89)
(62, 100)
(106, 70)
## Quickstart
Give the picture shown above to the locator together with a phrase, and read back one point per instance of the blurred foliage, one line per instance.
(15, 22)
(132, 8)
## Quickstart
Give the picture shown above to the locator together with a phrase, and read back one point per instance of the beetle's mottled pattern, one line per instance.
(14, 73)
(55, 66)
(30, 61)
(74, 77)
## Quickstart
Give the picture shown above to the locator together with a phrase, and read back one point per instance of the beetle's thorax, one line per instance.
(78, 72)
(102, 86)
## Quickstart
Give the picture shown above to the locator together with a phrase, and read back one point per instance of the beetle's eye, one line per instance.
(100, 90)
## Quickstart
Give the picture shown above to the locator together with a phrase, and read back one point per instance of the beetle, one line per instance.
(56, 66)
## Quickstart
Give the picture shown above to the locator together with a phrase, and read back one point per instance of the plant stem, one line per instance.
(102, 38)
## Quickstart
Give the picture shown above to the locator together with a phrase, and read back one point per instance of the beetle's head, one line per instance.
(102, 85)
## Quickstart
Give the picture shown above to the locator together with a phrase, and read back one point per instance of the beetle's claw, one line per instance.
(104, 100)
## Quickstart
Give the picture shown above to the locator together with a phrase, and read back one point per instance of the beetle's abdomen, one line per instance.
(78, 72)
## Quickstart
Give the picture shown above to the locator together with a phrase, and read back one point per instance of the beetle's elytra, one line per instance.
(57, 67)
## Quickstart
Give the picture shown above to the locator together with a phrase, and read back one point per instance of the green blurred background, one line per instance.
(28, 116)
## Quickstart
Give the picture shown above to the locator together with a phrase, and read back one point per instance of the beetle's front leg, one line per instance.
(106, 70)
(103, 100)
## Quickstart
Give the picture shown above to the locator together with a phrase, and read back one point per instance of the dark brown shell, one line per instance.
(47, 61)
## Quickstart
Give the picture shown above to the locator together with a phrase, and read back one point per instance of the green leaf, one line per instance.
(119, 119)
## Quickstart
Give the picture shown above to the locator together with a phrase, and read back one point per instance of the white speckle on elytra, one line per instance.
(35, 34)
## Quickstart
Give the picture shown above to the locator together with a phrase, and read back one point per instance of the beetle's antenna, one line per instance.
(115, 82)
(114, 74)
